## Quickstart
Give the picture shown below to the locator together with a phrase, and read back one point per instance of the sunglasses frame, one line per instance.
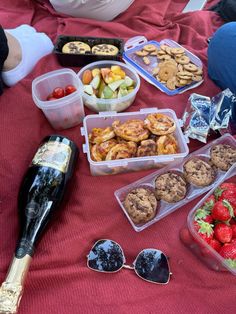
(126, 265)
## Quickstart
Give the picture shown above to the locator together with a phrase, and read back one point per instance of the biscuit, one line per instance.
(223, 156)
(76, 47)
(141, 205)
(150, 48)
(199, 172)
(105, 50)
(141, 53)
(170, 187)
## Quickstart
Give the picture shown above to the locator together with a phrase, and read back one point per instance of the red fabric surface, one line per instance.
(58, 280)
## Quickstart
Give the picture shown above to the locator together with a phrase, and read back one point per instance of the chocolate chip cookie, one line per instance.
(223, 156)
(105, 49)
(76, 47)
(199, 172)
(141, 205)
(170, 187)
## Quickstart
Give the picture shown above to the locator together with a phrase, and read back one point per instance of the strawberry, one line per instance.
(211, 199)
(185, 236)
(222, 211)
(233, 227)
(215, 244)
(223, 232)
(204, 230)
(228, 251)
(225, 190)
(204, 213)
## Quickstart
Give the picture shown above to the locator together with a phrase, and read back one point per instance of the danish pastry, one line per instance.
(99, 135)
(159, 124)
(167, 144)
(131, 130)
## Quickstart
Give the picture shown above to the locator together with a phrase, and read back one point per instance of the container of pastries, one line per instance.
(166, 64)
(80, 50)
(179, 182)
(132, 141)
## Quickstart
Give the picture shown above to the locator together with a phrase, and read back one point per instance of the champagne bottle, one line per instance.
(40, 195)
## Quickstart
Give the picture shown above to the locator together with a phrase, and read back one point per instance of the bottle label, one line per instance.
(53, 154)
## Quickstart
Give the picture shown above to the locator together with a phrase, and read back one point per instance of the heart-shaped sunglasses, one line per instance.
(151, 265)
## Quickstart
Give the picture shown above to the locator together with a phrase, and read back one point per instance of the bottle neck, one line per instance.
(12, 288)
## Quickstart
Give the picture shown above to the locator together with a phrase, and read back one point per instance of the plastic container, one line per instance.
(116, 104)
(193, 191)
(71, 59)
(104, 119)
(196, 244)
(136, 43)
(65, 112)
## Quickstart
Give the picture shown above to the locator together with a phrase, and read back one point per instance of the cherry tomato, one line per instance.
(69, 89)
(50, 97)
(58, 92)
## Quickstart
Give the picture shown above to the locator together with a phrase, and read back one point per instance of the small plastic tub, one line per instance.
(116, 104)
(65, 112)
(192, 240)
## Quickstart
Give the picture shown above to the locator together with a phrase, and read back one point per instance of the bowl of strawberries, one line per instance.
(211, 226)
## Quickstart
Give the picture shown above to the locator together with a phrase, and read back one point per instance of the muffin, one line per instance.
(170, 187)
(141, 205)
(223, 156)
(199, 172)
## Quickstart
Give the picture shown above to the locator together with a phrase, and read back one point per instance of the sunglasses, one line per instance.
(107, 256)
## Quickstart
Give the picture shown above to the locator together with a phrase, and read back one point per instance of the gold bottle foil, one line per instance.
(12, 288)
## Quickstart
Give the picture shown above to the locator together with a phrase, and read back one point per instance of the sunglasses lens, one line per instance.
(106, 255)
(152, 265)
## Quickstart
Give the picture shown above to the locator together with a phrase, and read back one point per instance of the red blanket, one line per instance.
(59, 280)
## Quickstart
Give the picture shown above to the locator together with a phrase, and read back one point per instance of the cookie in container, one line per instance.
(167, 65)
(80, 50)
(122, 142)
(180, 182)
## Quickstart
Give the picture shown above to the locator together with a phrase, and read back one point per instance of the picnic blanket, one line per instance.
(59, 280)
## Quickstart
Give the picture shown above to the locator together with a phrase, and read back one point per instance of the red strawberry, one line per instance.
(204, 213)
(225, 190)
(204, 230)
(215, 244)
(228, 251)
(222, 211)
(233, 227)
(223, 232)
(185, 236)
(211, 198)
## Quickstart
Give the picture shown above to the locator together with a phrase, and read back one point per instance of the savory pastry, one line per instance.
(122, 151)
(76, 47)
(99, 135)
(141, 205)
(159, 124)
(131, 130)
(100, 151)
(105, 50)
(147, 148)
(167, 144)
(170, 187)
(223, 156)
(199, 172)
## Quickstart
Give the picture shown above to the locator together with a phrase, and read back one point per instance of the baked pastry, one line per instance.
(147, 148)
(100, 151)
(76, 47)
(167, 144)
(141, 205)
(159, 124)
(199, 172)
(105, 50)
(170, 187)
(131, 130)
(223, 156)
(122, 151)
(99, 135)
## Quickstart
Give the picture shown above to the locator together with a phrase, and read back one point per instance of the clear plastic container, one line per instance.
(105, 119)
(193, 191)
(196, 244)
(145, 70)
(65, 112)
(116, 104)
